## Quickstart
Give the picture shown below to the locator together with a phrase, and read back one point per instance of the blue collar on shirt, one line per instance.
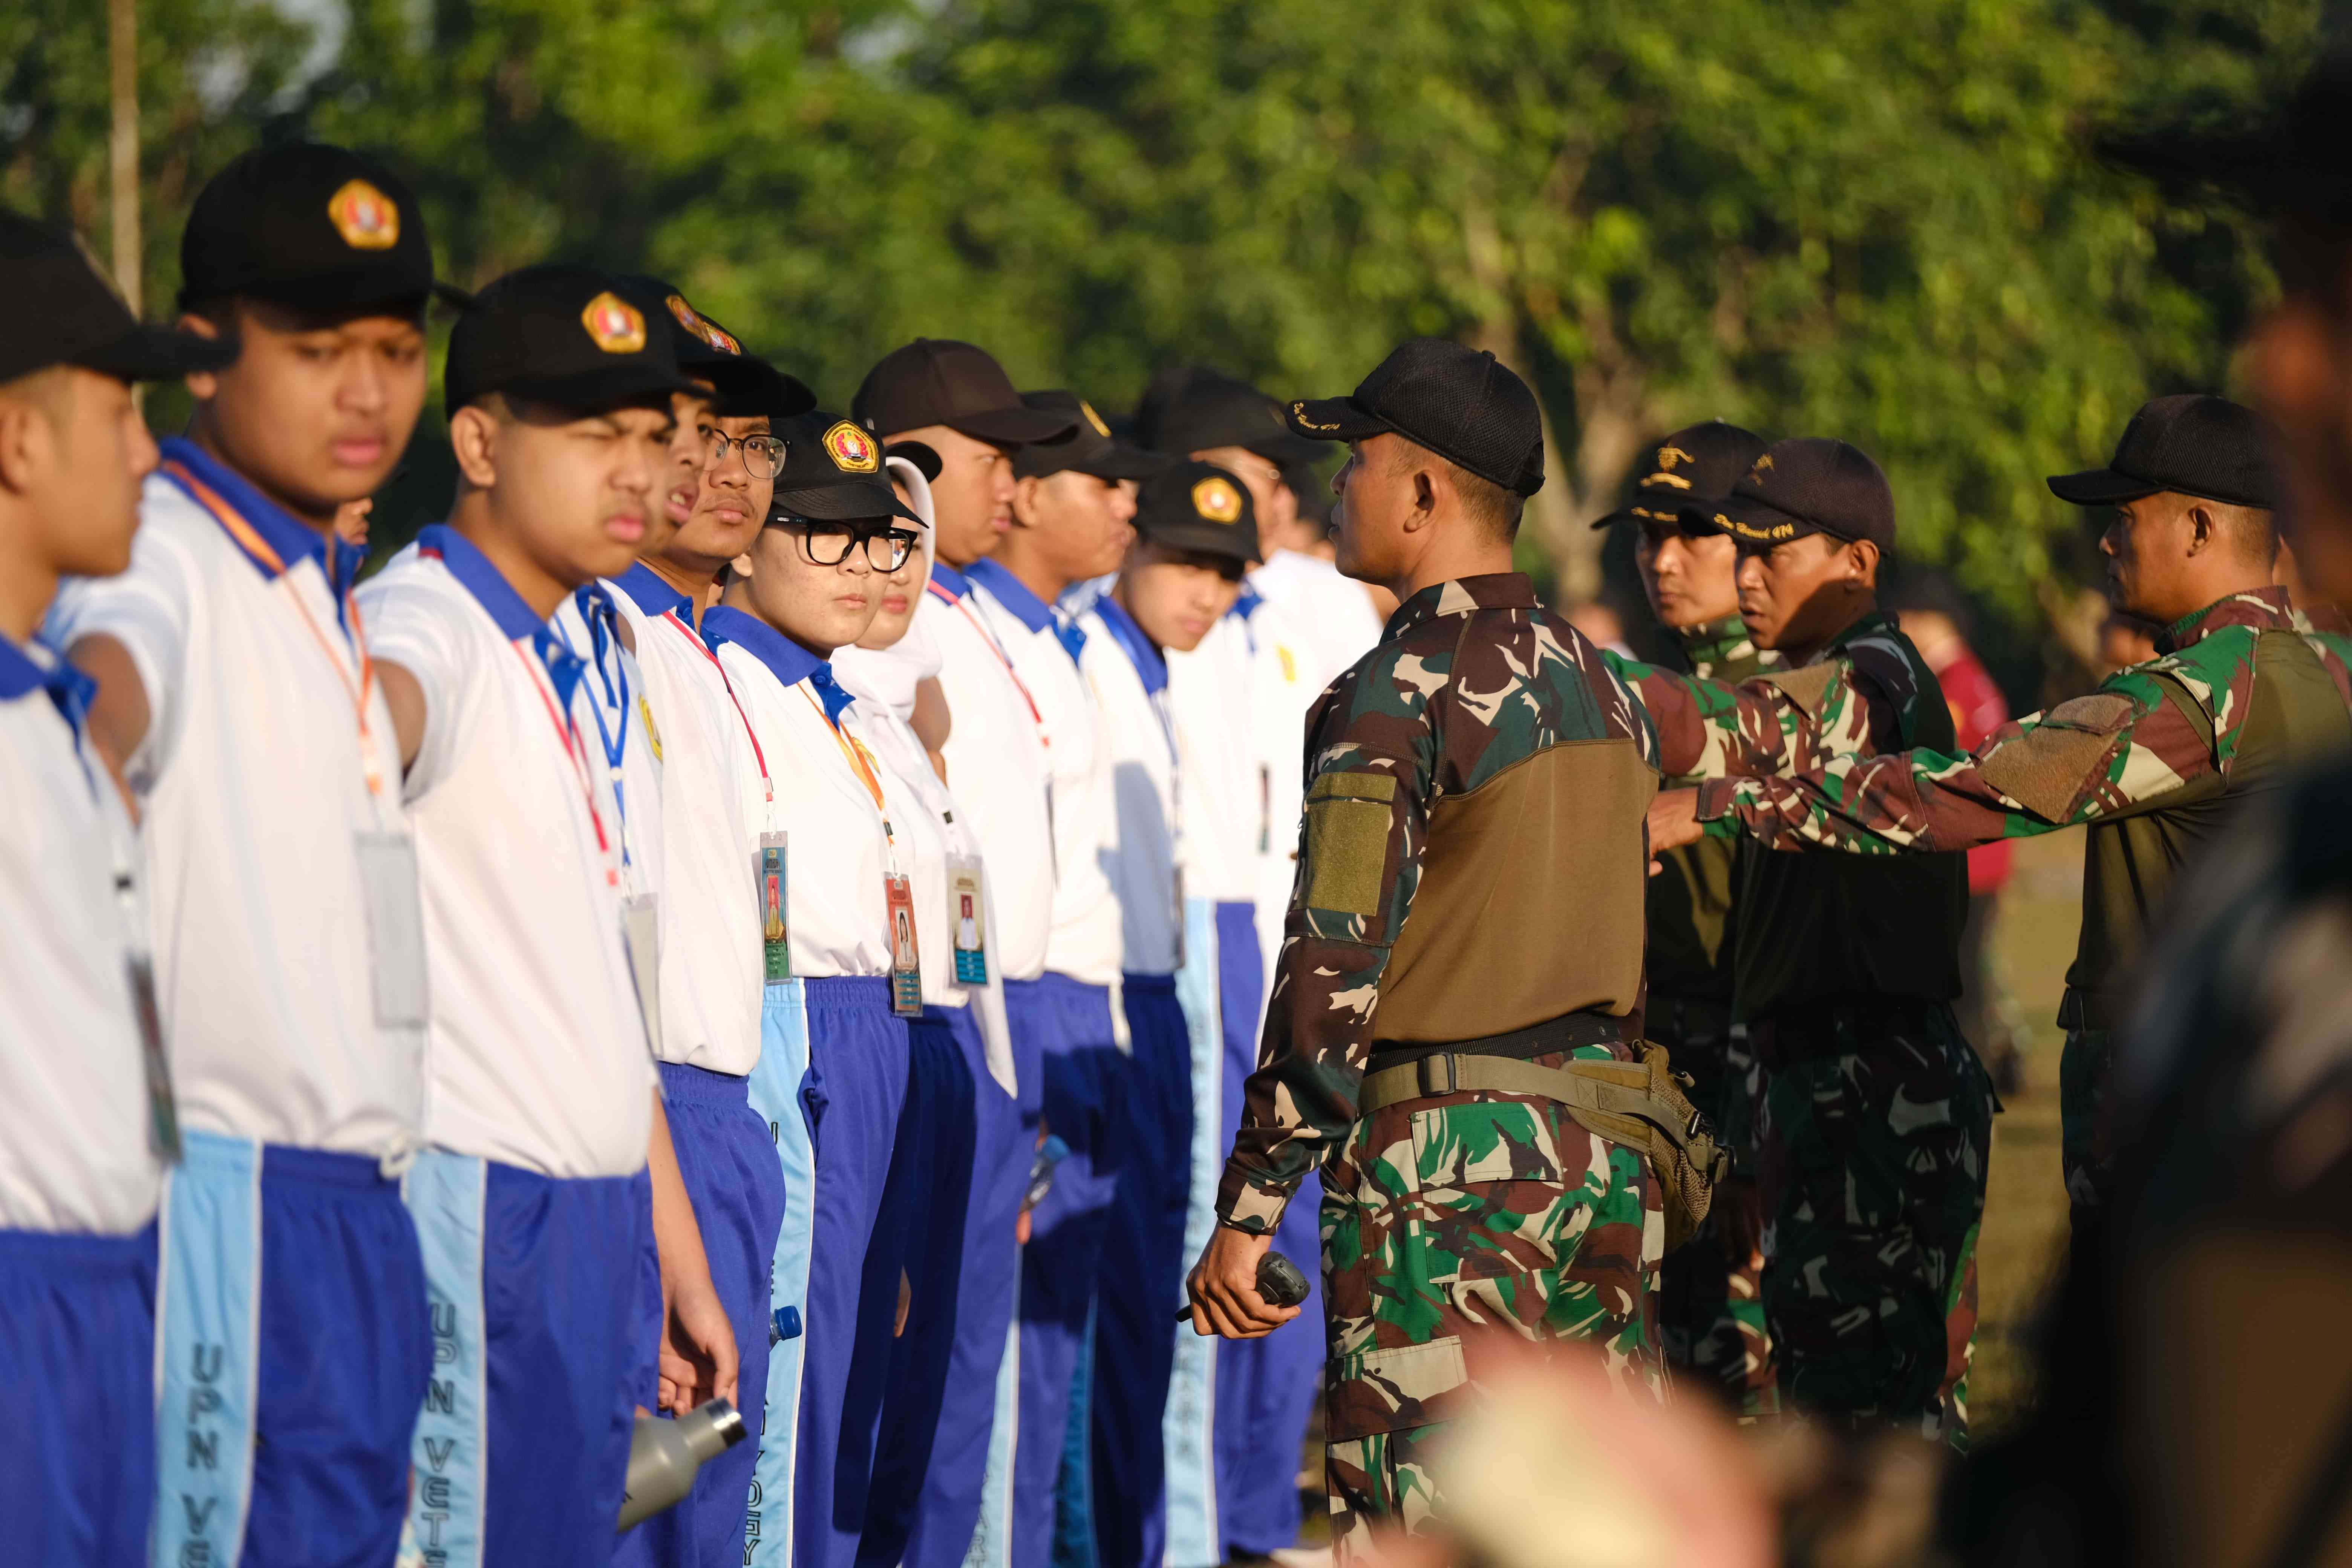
(786, 660)
(1026, 607)
(653, 596)
(69, 688)
(293, 540)
(514, 619)
(1148, 660)
(948, 577)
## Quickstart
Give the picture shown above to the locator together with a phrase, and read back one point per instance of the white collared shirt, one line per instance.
(1331, 616)
(1141, 858)
(1211, 695)
(75, 1154)
(539, 1056)
(253, 783)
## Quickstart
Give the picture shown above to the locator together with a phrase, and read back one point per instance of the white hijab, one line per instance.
(887, 676)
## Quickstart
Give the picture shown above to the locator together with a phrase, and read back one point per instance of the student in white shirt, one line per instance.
(1196, 536)
(235, 694)
(836, 877)
(555, 1226)
(84, 1130)
(960, 1209)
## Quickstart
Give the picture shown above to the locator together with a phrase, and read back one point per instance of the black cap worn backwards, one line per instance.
(309, 226)
(745, 382)
(57, 308)
(1192, 409)
(560, 335)
(1195, 505)
(1696, 463)
(1463, 405)
(1093, 450)
(1809, 485)
(833, 473)
(937, 381)
(2199, 446)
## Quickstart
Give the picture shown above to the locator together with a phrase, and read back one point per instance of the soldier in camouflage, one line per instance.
(1478, 761)
(2244, 692)
(1874, 1121)
(1710, 1302)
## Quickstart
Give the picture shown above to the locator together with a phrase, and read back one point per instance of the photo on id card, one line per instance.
(967, 917)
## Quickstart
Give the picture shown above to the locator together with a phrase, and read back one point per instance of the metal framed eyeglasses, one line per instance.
(829, 543)
(763, 456)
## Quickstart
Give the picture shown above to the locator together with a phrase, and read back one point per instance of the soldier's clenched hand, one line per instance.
(1223, 1286)
(1674, 820)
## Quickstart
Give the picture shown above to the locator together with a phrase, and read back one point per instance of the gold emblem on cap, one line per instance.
(1763, 465)
(851, 449)
(1669, 456)
(1094, 418)
(364, 216)
(1299, 412)
(702, 326)
(1673, 482)
(614, 323)
(1216, 499)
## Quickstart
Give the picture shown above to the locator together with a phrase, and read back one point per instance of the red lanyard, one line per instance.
(1037, 718)
(575, 751)
(255, 545)
(704, 649)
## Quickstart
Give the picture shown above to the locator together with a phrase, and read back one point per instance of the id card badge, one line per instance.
(775, 941)
(641, 935)
(905, 966)
(968, 918)
(163, 1106)
(395, 921)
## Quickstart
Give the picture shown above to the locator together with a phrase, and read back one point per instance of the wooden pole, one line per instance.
(122, 145)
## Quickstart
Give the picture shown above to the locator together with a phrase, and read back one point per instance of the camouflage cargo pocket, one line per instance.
(1487, 1195)
(1392, 1390)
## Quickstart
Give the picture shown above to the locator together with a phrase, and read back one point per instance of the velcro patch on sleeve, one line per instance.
(1348, 841)
(2047, 769)
(1807, 686)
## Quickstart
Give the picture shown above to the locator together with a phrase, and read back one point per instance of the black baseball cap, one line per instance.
(1698, 462)
(1461, 403)
(937, 381)
(564, 335)
(745, 382)
(1093, 450)
(58, 307)
(1192, 409)
(1809, 485)
(833, 473)
(922, 454)
(2197, 445)
(1192, 505)
(310, 225)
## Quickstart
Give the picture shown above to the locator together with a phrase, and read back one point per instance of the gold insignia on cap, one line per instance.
(1299, 412)
(1216, 499)
(702, 327)
(1094, 418)
(1763, 465)
(1669, 456)
(1674, 482)
(364, 216)
(851, 449)
(614, 323)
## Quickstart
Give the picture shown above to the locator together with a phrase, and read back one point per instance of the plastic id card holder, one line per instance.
(775, 940)
(968, 919)
(640, 935)
(395, 921)
(906, 964)
(162, 1105)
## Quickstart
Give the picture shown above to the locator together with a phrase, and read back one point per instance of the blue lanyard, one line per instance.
(604, 658)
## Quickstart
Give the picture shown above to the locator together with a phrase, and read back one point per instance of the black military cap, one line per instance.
(833, 473)
(922, 454)
(310, 225)
(1698, 462)
(1809, 485)
(57, 308)
(1196, 506)
(1093, 450)
(2197, 445)
(1193, 409)
(1463, 405)
(937, 381)
(562, 335)
(745, 382)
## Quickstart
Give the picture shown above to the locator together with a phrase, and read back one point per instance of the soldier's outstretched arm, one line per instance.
(1716, 729)
(2130, 746)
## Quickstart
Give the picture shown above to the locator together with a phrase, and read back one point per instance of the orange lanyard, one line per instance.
(702, 648)
(854, 750)
(575, 751)
(254, 544)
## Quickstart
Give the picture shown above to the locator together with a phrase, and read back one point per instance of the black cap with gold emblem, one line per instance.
(58, 307)
(1093, 450)
(1696, 463)
(1463, 404)
(832, 472)
(937, 381)
(746, 384)
(310, 225)
(560, 335)
(1809, 485)
(1198, 506)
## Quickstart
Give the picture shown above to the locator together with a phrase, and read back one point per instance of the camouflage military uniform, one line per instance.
(2154, 761)
(1469, 768)
(1710, 1307)
(1874, 1126)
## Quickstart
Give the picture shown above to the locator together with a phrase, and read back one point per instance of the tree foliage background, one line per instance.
(1874, 221)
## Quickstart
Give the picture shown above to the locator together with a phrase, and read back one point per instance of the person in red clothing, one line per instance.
(1933, 616)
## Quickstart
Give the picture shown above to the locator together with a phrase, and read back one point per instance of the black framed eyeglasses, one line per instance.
(763, 456)
(829, 543)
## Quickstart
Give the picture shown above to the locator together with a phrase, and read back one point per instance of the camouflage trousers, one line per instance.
(1874, 1138)
(1457, 1215)
(1711, 1322)
(2084, 1151)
